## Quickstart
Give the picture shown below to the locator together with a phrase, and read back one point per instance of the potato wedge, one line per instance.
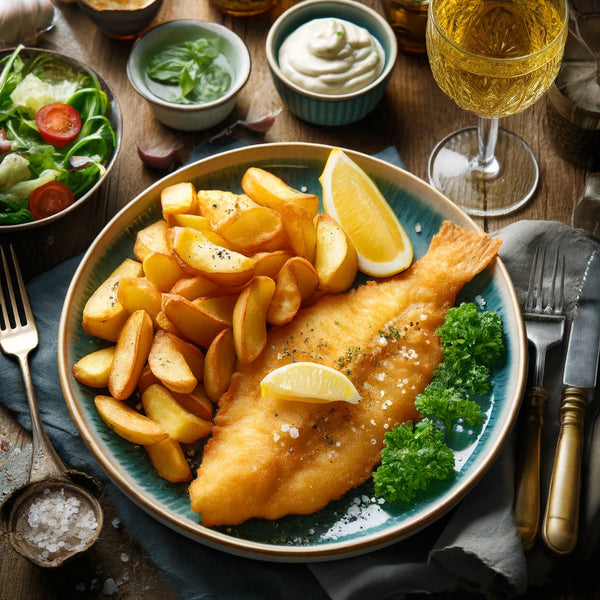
(181, 425)
(131, 354)
(250, 318)
(336, 260)
(194, 287)
(220, 307)
(139, 293)
(151, 239)
(217, 263)
(93, 369)
(269, 190)
(197, 402)
(169, 365)
(163, 270)
(195, 324)
(129, 423)
(169, 461)
(269, 263)
(147, 378)
(240, 220)
(178, 198)
(299, 228)
(163, 322)
(297, 280)
(103, 315)
(219, 364)
(186, 220)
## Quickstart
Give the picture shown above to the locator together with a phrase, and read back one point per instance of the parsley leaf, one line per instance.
(412, 459)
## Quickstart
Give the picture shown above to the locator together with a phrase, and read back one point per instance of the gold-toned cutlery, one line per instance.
(560, 524)
(48, 476)
(544, 317)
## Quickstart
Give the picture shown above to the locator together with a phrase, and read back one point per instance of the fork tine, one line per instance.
(17, 315)
(535, 279)
(5, 320)
(554, 304)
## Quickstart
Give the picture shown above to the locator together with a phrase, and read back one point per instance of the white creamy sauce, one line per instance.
(331, 56)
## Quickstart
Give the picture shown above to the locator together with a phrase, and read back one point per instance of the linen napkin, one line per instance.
(476, 546)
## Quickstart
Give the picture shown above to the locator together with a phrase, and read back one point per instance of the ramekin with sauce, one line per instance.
(331, 60)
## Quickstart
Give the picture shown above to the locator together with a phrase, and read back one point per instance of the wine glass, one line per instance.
(494, 58)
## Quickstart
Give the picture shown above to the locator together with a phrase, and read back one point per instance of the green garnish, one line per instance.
(414, 457)
(193, 67)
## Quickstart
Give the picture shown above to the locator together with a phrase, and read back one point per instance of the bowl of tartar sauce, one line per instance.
(331, 60)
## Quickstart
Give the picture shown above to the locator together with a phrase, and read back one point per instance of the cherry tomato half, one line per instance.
(49, 199)
(58, 123)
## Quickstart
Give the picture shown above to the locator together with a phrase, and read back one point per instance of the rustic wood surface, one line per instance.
(413, 116)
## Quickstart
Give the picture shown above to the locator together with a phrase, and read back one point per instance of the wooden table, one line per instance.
(413, 116)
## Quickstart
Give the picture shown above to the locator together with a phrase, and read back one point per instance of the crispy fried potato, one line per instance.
(139, 293)
(197, 402)
(195, 287)
(181, 425)
(220, 307)
(219, 364)
(163, 270)
(128, 423)
(169, 461)
(168, 363)
(299, 228)
(336, 260)
(186, 220)
(194, 323)
(131, 354)
(93, 369)
(250, 318)
(179, 198)
(297, 280)
(269, 263)
(217, 263)
(269, 190)
(240, 220)
(163, 322)
(103, 314)
(147, 378)
(151, 239)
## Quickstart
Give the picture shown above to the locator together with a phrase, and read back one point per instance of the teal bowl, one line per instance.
(325, 109)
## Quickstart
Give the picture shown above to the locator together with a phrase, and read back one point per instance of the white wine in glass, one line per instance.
(493, 58)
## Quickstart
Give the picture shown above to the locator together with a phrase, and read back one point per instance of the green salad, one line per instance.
(55, 137)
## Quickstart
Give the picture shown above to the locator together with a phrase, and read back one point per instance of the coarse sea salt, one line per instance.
(57, 522)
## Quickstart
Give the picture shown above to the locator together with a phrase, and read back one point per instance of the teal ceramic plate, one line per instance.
(357, 522)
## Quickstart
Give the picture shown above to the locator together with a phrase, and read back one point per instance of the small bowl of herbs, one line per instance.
(190, 72)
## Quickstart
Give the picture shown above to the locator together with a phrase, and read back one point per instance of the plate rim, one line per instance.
(250, 548)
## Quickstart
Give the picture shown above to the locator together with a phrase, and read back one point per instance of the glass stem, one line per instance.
(485, 165)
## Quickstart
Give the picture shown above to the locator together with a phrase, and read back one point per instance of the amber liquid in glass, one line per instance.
(498, 57)
(243, 8)
(408, 19)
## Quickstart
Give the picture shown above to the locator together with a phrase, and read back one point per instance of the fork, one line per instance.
(18, 336)
(544, 317)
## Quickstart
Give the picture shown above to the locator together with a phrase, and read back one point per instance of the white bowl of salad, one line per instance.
(60, 132)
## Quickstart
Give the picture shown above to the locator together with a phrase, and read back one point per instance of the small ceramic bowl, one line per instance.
(327, 109)
(188, 117)
(122, 20)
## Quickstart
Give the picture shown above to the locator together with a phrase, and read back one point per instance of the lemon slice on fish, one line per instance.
(351, 197)
(308, 382)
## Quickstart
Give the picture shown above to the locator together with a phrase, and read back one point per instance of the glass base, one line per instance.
(482, 192)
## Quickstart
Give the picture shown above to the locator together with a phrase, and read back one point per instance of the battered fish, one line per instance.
(270, 458)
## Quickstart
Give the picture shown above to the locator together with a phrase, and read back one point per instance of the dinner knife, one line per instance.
(560, 523)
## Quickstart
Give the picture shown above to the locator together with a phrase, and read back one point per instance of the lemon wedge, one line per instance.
(351, 197)
(308, 382)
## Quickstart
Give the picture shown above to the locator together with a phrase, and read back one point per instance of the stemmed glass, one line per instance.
(494, 58)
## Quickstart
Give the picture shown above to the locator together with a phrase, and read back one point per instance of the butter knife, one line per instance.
(560, 523)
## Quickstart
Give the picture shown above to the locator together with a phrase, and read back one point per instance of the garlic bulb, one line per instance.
(22, 21)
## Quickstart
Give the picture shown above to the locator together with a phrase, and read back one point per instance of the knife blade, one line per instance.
(560, 523)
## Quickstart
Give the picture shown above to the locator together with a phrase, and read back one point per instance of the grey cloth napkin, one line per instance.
(478, 547)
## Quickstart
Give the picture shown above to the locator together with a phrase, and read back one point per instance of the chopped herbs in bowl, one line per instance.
(190, 72)
(60, 129)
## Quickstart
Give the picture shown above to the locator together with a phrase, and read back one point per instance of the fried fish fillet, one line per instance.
(268, 458)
